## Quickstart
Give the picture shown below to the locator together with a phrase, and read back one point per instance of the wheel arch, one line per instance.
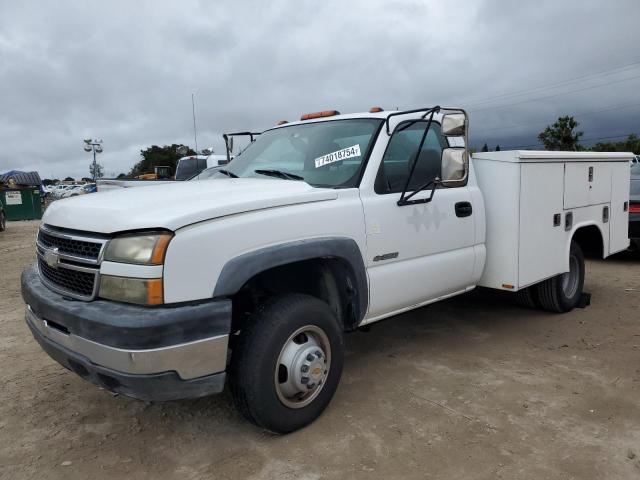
(590, 238)
(338, 273)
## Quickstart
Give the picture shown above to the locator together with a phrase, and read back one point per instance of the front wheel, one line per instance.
(3, 222)
(562, 292)
(287, 363)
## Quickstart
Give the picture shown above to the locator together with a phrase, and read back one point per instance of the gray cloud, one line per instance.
(125, 71)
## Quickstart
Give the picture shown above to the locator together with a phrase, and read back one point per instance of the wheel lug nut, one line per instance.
(311, 385)
(304, 380)
(310, 358)
(318, 354)
(304, 368)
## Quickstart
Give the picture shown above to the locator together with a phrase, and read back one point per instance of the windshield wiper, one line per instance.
(279, 174)
(228, 173)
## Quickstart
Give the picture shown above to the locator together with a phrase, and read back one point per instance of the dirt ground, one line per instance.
(474, 387)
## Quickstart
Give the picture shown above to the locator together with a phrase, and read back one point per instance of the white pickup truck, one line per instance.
(318, 228)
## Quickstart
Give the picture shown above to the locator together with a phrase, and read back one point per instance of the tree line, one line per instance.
(563, 134)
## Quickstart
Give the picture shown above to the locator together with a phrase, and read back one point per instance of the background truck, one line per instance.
(191, 166)
(318, 228)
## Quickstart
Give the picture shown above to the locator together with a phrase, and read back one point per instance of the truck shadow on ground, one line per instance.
(627, 256)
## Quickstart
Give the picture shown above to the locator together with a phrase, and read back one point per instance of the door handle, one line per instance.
(463, 209)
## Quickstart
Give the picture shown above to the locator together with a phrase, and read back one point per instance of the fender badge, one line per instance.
(52, 257)
(386, 256)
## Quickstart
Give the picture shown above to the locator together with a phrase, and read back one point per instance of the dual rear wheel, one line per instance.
(560, 293)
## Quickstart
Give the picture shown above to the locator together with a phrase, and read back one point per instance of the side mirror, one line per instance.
(454, 125)
(454, 166)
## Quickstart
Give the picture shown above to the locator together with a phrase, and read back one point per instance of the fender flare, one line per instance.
(239, 270)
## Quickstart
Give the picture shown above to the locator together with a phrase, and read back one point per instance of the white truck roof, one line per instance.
(381, 115)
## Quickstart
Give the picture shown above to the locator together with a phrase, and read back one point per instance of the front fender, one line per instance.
(237, 271)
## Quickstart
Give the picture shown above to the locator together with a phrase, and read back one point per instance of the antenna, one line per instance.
(193, 110)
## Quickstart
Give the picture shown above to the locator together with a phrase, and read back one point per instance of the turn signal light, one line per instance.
(376, 109)
(324, 113)
(634, 208)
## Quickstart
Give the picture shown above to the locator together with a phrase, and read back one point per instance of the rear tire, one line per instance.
(287, 363)
(3, 222)
(528, 297)
(562, 293)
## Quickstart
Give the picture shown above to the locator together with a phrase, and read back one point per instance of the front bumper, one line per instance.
(151, 353)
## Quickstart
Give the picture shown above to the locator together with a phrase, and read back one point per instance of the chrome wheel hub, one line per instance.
(303, 366)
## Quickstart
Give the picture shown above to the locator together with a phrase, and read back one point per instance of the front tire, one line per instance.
(562, 293)
(287, 363)
(3, 222)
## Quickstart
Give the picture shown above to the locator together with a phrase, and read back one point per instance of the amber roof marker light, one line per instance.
(324, 113)
(376, 109)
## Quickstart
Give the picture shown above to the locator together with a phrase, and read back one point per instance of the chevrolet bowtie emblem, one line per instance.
(51, 257)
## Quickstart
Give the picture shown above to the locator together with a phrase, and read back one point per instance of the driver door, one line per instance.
(416, 253)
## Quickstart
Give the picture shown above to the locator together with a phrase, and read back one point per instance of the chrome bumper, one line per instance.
(189, 360)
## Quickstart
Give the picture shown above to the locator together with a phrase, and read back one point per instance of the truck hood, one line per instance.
(178, 204)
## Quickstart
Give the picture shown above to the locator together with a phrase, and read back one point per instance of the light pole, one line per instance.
(95, 146)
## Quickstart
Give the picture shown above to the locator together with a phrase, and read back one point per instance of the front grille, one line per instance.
(72, 281)
(69, 246)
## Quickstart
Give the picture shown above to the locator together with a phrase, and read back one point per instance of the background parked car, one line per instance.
(634, 206)
(58, 190)
(3, 218)
(76, 190)
(72, 191)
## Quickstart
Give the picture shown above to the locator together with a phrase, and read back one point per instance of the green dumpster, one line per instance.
(22, 204)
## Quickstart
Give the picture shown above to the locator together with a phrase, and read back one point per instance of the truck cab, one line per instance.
(320, 226)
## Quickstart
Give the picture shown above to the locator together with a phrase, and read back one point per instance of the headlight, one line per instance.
(145, 291)
(145, 249)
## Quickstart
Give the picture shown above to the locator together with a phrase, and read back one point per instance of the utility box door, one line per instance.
(586, 184)
(541, 250)
(619, 215)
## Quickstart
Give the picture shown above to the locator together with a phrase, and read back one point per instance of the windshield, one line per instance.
(324, 154)
(208, 173)
(190, 166)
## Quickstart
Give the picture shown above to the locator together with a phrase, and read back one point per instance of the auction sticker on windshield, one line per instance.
(338, 156)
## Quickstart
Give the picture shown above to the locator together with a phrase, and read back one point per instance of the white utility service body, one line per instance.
(524, 189)
(189, 280)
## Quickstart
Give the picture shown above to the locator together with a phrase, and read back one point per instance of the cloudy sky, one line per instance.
(124, 71)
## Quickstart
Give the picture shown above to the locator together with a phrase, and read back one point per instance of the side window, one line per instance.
(401, 154)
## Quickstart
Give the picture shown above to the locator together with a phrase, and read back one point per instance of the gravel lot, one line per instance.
(474, 387)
